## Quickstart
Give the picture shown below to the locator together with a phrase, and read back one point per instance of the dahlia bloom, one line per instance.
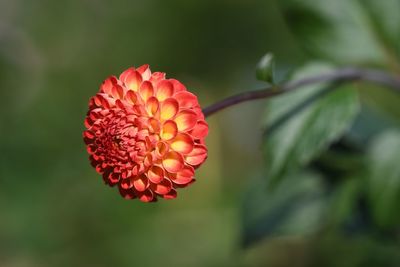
(145, 134)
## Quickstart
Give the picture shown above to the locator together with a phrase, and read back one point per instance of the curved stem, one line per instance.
(341, 75)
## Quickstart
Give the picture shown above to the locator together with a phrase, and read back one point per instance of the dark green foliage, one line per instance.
(321, 114)
(345, 136)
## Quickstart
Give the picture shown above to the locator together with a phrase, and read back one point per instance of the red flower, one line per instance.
(145, 134)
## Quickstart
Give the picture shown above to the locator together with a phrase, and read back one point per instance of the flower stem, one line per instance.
(340, 75)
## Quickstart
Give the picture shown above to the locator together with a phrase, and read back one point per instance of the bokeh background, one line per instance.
(56, 211)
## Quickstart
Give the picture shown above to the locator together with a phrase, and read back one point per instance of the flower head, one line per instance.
(145, 134)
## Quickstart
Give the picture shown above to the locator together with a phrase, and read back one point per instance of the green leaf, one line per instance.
(385, 22)
(345, 200)
(298, 129)
(338, 30)
(384, 178)
(295, 207)
(265, 69)
(368, 125)
(382, 100)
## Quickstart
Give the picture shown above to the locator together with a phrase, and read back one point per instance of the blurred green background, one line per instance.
(56, 211)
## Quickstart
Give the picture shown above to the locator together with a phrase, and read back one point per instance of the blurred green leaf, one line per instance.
(345, 199)
(367, 126)
(299, 129)
(265, 69)
(382, 101)
(295, 207)
(385, 22)
(337, 30)
(384, 178)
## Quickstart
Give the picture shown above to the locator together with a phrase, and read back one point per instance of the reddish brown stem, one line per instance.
(341, 75)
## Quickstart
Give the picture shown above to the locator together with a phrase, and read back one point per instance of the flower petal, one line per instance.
(186, 120)
(127, 193)
(182, 143)
(199, 112)
(125, 74)
(108, 84)
(186, 99)
(163, 187)
(154, 125)
(161, 149)
(197, 156)
(155, 174)
(103, 100)
(169, 130)
(88, 122)
(164, 90)
(157, 76)
(126, 183)
(171, 194)
(200, 130)
(152, 106)
(173, 162)
(184, 176)
(148, 160)
(169, 108)
(178, 86)
(89, 134)
(145, 196)
(141, 183)
(131, 97)
(144, 70)
(133, 80)
(112, 177)
(117, 92)
(146, 90)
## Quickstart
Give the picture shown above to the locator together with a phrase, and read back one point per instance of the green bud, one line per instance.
(265, 68)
